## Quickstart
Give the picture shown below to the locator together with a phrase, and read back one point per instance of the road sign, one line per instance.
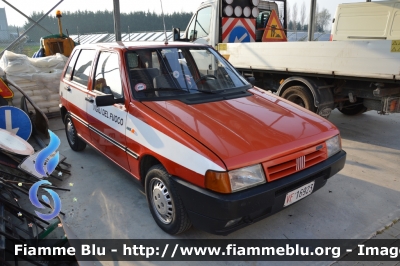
(5, 91)
(14, 144)
(274, 31)
(16, 121)
(237, 30)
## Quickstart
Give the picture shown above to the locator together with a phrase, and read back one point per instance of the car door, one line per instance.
(75, 88)
(107, 124)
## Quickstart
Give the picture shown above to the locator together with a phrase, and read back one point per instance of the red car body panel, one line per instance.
(264, 128)
(145, 114)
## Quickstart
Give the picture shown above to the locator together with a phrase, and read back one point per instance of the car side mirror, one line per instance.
(176, 34)
(251, 80)
(107, 100)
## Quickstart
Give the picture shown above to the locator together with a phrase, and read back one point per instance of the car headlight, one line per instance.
(333, 145)
(246, 177)
(235, 180)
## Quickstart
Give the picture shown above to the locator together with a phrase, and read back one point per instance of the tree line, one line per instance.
(297, 17)
(84, 22)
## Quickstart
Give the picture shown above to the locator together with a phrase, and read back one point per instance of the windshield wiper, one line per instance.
(184, 90)
(211, 91)
(164, 89)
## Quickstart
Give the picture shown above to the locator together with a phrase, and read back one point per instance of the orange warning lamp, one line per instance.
(5, 91)
(58, 15)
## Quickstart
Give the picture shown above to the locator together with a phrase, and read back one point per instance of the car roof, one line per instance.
(139, 44)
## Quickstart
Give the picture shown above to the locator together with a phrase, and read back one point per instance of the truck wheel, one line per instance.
(353, 109)
(300, 95)
(165, 204)
(74, 141)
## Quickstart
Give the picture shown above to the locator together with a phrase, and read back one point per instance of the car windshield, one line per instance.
(181, 72)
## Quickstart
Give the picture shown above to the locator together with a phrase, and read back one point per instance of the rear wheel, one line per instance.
(165, 204)
(353, 108)
(74, 141)
(300, 95)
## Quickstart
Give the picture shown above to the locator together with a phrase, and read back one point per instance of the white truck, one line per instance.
(367, 21)
(353, 76)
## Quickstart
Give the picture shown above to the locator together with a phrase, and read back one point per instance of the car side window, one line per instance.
(68, 72)
(82, 67)
(108, 76)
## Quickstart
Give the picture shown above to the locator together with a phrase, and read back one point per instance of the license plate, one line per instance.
(299, 193)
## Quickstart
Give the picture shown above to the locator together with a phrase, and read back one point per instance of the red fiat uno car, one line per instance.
(209, 148)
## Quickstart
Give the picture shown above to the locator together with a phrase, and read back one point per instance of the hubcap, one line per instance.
(70, 132)
(161, 201)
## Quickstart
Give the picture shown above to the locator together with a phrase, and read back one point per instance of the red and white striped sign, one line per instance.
(238, 30)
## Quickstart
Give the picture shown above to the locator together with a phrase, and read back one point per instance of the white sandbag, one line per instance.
(54, 109)
(19, 63)
(54, 98)
(37, 77)
(47, 104)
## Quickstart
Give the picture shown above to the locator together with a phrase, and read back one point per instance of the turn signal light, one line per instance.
(391, 105)
(218, 182)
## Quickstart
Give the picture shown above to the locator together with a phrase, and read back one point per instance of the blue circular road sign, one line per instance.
(239, 34)
(15, 120)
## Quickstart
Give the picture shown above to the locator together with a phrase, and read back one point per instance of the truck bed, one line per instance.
(364, 59)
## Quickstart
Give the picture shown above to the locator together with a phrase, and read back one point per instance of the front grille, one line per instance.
(290, 164)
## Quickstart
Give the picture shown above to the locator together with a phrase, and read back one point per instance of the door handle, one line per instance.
(88, 99)
(67, 88)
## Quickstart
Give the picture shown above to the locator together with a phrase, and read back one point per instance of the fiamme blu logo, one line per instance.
(45, 163)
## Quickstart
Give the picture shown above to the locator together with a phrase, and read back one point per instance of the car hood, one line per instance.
(247, 130)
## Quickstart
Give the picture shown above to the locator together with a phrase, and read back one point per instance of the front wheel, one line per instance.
(165, 204)
(301, 96)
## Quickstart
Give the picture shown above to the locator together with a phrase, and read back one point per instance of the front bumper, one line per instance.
(210, 211)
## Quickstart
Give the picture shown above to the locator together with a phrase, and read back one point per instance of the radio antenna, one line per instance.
(165, 31)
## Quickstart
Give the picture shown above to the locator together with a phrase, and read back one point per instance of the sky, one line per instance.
(126, 6)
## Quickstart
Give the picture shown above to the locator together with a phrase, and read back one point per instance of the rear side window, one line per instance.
(71, 64)
(108, 77)
(82, 67)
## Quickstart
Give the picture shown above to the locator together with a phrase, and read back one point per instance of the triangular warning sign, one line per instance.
(5, 91)
(274, 31)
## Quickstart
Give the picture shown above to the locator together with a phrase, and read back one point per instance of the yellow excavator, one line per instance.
(56, 43)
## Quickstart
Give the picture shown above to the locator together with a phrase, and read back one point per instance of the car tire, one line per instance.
(300, 95)
(165, 205)
(76, 143)
(355, 109)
